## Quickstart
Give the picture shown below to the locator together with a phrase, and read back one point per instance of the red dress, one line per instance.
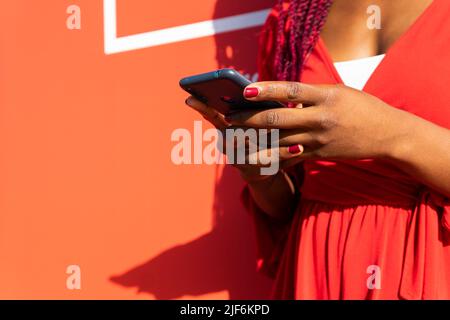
(364, 229)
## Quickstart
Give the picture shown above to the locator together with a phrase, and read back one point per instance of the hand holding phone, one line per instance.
(223, 90)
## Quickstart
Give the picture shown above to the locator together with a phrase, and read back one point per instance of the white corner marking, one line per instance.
(113, 44)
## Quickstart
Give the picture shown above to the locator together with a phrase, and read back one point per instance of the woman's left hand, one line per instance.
(327, 121)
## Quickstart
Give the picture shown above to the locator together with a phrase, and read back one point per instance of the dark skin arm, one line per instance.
(339, 123)
(342, 123)
(416, 146)
(276, 196)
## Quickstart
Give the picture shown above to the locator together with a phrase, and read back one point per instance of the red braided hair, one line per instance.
(292, 36)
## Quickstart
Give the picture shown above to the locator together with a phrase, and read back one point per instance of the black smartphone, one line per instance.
(223, 90)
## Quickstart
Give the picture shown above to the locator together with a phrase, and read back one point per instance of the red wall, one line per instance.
(86, 176)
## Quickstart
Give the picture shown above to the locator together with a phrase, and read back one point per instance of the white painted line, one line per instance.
(174, 34)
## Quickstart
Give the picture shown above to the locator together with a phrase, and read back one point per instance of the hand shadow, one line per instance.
(225, 258)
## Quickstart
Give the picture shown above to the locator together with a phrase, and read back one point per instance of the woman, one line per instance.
(360, 209)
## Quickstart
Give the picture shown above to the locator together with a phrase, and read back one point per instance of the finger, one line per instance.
(285, 91)
(280, 118)
(274, 155)
(210, 114)
(290, 137)
(239, 138)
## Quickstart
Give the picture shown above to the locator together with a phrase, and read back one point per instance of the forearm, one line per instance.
(424, 153)
(275, 195)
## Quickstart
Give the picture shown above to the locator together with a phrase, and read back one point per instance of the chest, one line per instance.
(363, 28)
(415, 73)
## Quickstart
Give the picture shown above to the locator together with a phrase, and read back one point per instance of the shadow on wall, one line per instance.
(223, 259)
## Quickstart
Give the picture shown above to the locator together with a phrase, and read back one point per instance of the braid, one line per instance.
(281, 52)
(299, 26)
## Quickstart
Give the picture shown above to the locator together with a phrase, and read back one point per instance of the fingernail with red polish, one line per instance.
(295, 149)
(251, 92)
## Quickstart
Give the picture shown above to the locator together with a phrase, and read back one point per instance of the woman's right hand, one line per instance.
(249, 172)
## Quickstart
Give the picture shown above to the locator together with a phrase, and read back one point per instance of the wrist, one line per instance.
(403, 145)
